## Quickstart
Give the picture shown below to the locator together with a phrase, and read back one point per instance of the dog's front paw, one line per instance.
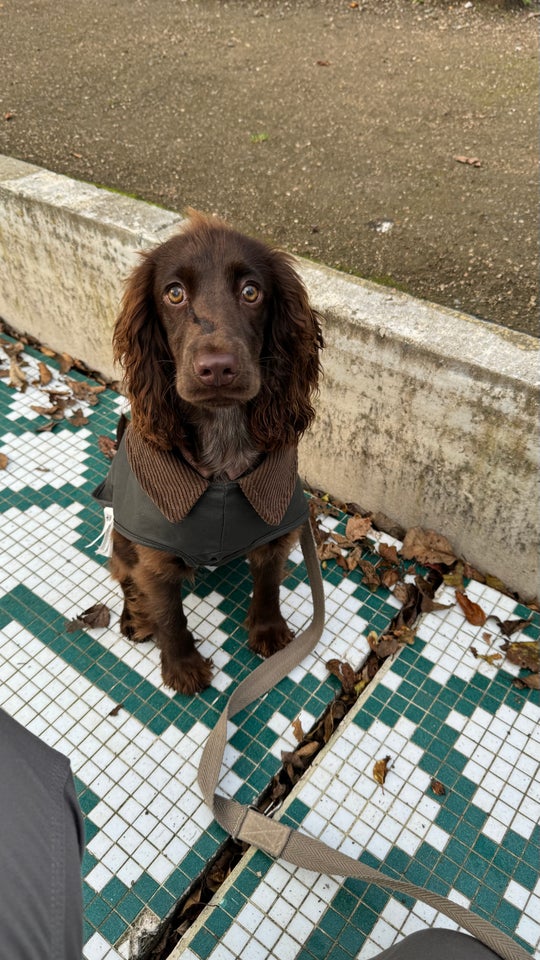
(187, 675)
(267, 638)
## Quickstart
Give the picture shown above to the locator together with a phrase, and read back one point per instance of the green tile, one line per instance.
(113, 927)
(114, 891)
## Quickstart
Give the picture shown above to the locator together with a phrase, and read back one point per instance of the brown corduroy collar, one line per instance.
(175, 486)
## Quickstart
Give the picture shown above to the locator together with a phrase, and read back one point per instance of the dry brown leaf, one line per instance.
(454, 578)
(298, 730)
(369, 574)
(329, 551)
(428, 547)
(96, 616)
(107, 446)
(47, 427)
(385, 646)
(17, 377)
(115, 710)
(45, 375)
(88, 392)
(357, 527)
(380, 769)
(3, 461)
(490, 658)
(525, 654)
(389, 578)
(344, 672)
(508, 627)
(389, 552)
(78, 419)
(66, 362)
(473, 612)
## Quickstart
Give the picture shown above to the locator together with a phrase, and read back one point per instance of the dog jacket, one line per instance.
(159, 500)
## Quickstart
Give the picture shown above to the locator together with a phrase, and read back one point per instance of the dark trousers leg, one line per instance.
(438, 945)
(41, 846)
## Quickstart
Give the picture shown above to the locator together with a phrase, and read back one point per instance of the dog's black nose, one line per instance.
(216, 369)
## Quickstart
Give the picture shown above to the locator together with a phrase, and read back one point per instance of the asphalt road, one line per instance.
(393, 139)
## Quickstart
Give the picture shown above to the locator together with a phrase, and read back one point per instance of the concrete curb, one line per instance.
(426, 415)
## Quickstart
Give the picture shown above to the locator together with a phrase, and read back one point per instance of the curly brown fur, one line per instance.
(220, 350)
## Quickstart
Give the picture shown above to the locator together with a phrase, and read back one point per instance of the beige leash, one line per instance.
(276, 839)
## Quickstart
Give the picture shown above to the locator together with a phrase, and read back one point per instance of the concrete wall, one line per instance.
(426, 415)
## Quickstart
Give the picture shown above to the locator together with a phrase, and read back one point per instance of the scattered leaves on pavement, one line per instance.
(3, 461)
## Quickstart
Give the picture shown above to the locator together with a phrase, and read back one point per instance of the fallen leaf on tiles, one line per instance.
(78, 419)
(508, 627)
(17, 378)
(389, 578)
(344, 672)
(369, 574)
(455, 577)
(96, 616)
(107, 446)
(380, 769)
(427, 591)
(115, 710)
(427, 547)
(390, 643)
(353, 559)
(357, 527)
(85, 391)
(56, 411)
(389, 553)
(473, 612)
(3, 461)
(437, 787)
(329, 551)
(45, 375)
(490, 658)
(298, 730)
(409, 595)
(525, 654)
(65, 361)
(47, 427)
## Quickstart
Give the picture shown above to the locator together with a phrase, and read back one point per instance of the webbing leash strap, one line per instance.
(280, 841)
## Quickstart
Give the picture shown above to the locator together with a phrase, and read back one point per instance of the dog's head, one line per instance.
(213, 318)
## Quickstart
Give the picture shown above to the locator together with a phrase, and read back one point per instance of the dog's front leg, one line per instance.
(268, 630)
(159, 577)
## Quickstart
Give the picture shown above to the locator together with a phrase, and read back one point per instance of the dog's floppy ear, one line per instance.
(141, 347)
(283, 410)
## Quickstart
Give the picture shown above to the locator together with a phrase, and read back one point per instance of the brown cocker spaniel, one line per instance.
(220, 350)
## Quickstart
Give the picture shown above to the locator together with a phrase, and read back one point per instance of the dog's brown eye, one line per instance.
(250, 293)
(175, 294)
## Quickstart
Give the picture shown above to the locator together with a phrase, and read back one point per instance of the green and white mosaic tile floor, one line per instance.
(435, 710)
